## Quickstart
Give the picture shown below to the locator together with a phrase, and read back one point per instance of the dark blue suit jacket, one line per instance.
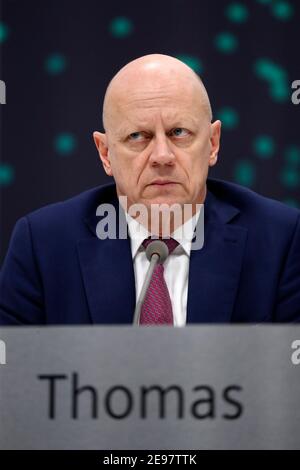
(57, 271)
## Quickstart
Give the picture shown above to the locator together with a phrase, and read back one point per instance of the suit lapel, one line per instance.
(108, 275)
(215, 269)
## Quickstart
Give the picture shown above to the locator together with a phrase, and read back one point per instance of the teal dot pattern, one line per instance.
(121, 27)
(226, 42)
(237, 12)
(247, 59)
(276, 78)
(4, 32)
(65, 144)
(229, 117)
(55, 64)
(7, 174)
(282, 10)
(264, 146)
(192, 61)
(245, 173)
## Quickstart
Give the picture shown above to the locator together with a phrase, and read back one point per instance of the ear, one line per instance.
(214, 142)
(102, 147)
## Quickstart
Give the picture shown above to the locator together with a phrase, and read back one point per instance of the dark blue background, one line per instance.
(43, 103)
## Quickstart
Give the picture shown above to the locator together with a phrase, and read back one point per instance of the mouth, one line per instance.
(162, 183)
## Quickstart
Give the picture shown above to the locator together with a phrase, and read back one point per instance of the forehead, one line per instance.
(146, 105)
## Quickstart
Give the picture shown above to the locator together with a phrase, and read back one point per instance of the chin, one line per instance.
(169, 201)
(165, 196)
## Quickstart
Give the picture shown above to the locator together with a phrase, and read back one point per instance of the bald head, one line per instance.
(154, 73)
(159, 141)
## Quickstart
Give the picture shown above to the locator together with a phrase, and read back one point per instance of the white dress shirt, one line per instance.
(176, 266)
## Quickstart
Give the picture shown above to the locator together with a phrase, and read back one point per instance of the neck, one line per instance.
(163, 220)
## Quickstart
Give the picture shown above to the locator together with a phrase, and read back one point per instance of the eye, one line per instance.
(135, 135)
(179, 132)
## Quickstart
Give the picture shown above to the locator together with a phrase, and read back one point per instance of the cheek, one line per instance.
(195, 163)
(125, 166)
(201, 156)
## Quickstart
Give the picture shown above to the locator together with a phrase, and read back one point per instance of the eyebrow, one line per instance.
(130, 128)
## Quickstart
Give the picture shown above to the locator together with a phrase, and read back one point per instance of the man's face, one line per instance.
(159, 143)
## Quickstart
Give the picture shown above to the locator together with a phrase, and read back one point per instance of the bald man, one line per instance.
(158, 144)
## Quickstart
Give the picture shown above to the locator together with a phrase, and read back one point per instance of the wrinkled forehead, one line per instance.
(145, 102)
(161, 114)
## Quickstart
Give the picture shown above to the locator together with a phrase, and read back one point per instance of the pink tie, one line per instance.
(157, 306)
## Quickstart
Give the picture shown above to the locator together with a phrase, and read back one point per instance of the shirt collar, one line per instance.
(137, 233)
(183, 234)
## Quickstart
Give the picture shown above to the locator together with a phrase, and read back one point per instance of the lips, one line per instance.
(162, 182)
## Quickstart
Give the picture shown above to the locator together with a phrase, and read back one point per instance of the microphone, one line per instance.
(156, 252)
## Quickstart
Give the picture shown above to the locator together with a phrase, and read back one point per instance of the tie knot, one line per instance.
(170, 242)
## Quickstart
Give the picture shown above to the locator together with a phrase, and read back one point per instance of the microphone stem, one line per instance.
(154, 260)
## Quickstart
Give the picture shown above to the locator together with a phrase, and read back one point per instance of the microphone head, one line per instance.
(159, 248)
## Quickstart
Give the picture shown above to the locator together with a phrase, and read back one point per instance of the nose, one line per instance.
(162, 153)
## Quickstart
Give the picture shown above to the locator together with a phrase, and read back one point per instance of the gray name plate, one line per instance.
(198, 387)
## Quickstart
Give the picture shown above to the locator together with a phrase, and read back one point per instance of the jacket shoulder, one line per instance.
(251, 204)
(74, 208)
